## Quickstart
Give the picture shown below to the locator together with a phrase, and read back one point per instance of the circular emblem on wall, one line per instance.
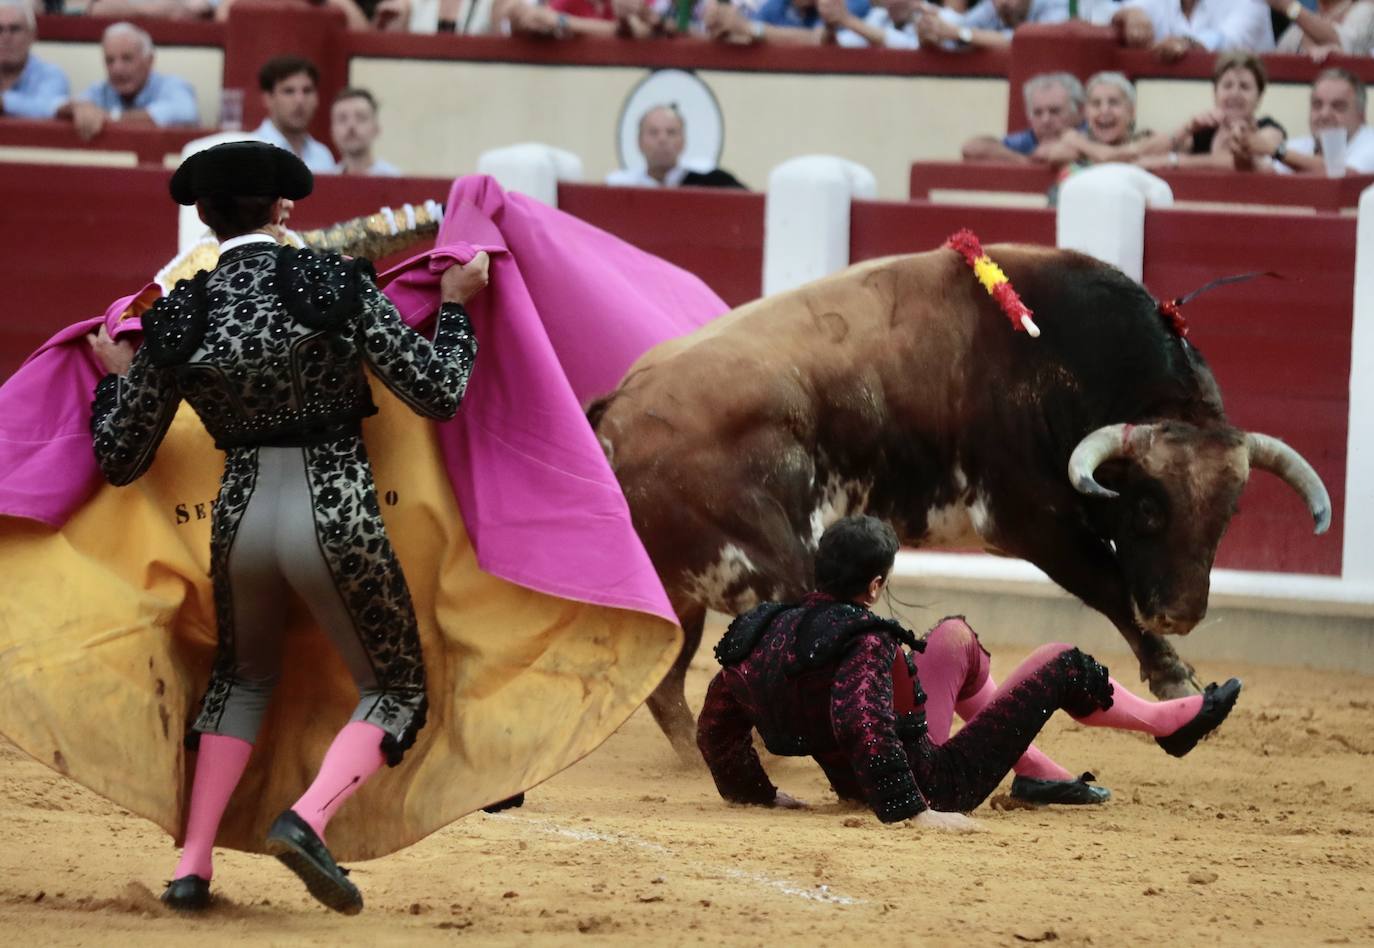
(694, 101)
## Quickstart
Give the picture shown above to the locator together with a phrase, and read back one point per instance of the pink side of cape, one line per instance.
(569, 308)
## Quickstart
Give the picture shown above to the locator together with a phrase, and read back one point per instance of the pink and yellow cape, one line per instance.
(543, 623)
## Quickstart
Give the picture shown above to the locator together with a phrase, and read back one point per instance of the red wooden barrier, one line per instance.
(77, 238)
(1280, 350)
(881, 228)
(150, 145)
(716, 234)
(1188, 184)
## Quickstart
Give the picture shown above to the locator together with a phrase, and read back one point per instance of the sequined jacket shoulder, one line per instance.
(270, 346)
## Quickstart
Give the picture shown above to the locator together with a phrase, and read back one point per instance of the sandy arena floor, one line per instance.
(1262, 835)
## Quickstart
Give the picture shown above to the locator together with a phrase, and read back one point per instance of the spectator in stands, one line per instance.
(793, 22)
(1228, 135)
(1109, 132)
(162, 9)
(354, 127)
(1054, 105)
(560, 19)
(988, 24)
(1338, 101)
(889, 23)
(1173, 27)
(290, 93)
(662, 138)
(29, 87)
(131, 93)
(469, 17)
(1336, 26)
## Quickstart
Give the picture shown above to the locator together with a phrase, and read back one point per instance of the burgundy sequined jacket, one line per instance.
(816, 678)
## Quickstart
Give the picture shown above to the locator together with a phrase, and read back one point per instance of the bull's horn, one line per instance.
(1272, 455)
(1101, 445)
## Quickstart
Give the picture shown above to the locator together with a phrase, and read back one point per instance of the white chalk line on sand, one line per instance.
(821, 893)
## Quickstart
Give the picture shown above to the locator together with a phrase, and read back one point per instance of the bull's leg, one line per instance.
(1085, 566)
(1168, 674)
(668, 703)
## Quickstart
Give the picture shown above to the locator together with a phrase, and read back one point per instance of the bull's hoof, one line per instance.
(509, 803)
(1217, 703)
(1177, 681)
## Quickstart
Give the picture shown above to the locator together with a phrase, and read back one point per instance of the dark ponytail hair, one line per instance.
(852, 551)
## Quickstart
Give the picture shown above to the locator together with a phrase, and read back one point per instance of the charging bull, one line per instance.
(1099, 451)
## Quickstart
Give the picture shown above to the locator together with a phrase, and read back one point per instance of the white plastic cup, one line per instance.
(1333, 151)
(231, 110)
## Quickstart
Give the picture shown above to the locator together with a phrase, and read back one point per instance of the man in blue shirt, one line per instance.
(290, 93)
(798, 22)
(132, 92)
(986, 25)
(1054, 104)
(29, 87)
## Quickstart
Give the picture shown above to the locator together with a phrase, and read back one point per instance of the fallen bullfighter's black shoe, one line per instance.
(293, 842)
(1217, 702)
(1078, 792)
(187, 894)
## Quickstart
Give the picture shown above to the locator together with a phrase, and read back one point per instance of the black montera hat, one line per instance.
(241, 169)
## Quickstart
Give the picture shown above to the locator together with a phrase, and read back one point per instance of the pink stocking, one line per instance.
(219, 765)
(954, 675)
(1034, 762)
(1128, 712)
(355, 755)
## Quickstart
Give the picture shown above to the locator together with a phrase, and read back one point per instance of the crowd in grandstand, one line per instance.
(1071, 124)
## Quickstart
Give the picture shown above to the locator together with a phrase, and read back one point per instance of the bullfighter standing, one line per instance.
(828, 678)
(269, 349)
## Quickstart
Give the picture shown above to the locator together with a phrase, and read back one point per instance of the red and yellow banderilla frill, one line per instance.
(994, 280)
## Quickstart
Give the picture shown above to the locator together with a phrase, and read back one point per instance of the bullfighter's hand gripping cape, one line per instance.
(542, 621)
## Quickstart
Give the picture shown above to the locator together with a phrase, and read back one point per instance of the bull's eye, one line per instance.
(1149, 515)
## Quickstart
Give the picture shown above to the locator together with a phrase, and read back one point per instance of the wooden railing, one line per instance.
(1188, 184)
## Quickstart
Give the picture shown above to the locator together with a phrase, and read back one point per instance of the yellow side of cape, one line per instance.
(107, 633)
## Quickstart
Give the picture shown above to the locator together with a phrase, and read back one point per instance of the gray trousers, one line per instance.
(277, 548)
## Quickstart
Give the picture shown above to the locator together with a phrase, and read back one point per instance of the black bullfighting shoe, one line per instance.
(187, 894)
(1078, 792)
(1217, 702)
(510, 803)
(293, 842)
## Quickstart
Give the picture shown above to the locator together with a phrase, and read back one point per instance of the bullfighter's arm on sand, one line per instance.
(430, 377)
(724, 736)
(864, 720)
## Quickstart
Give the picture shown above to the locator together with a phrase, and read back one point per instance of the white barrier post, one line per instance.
(806, 220)
(1102, 214)
(531, 169)
(1357, 554)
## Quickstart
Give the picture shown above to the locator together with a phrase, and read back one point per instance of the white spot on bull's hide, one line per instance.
(980, 515)
(721, 585)
(959, 525)
(960, 479)
(608, 449)
(838, 499)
